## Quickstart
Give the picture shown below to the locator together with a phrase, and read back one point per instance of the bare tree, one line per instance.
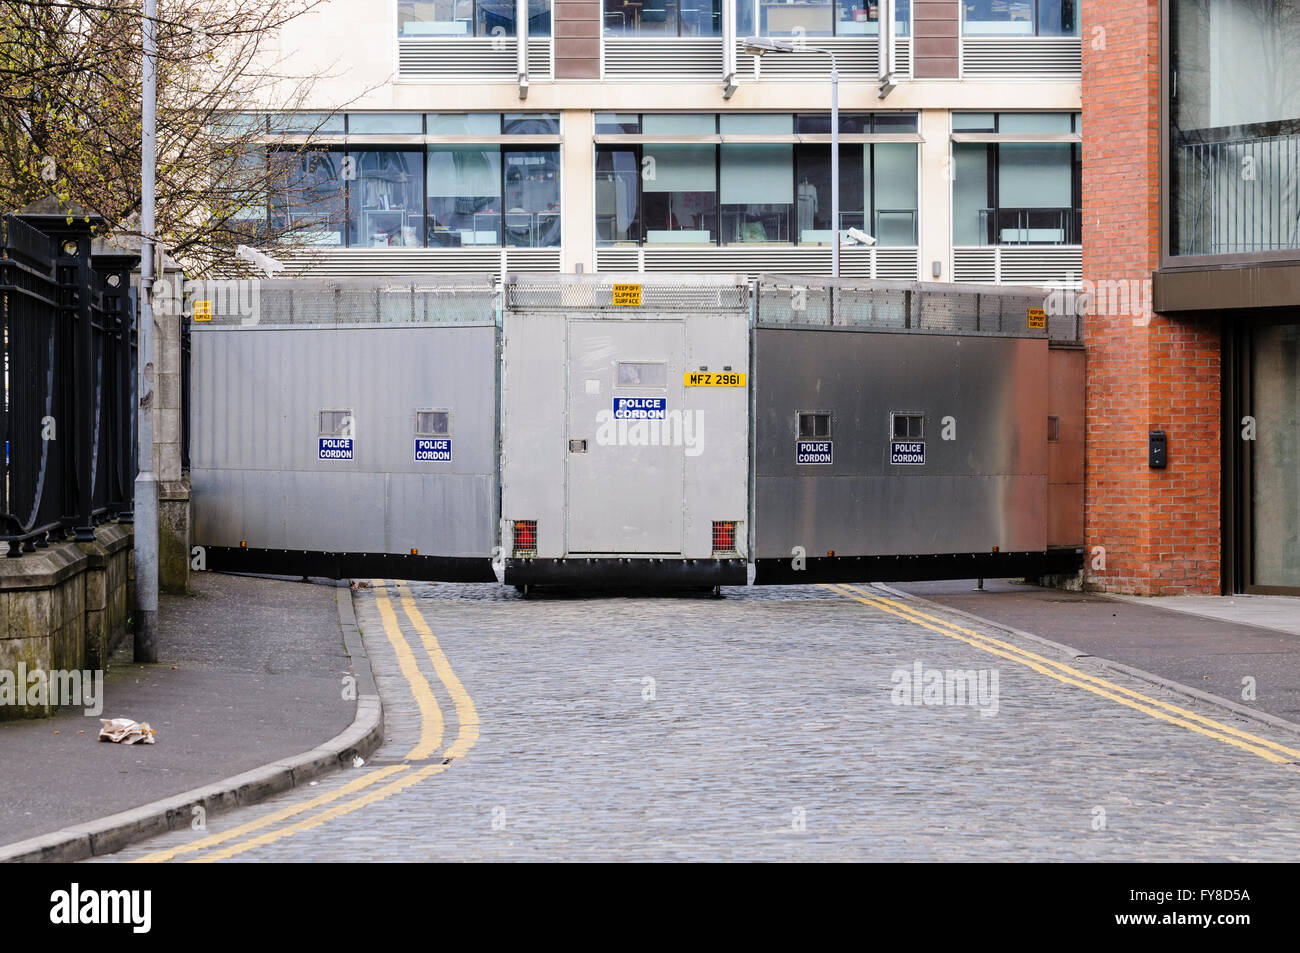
(70, 80)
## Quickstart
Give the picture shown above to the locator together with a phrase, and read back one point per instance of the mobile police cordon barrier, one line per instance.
(627, 430)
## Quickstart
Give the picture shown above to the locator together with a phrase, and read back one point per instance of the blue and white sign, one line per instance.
(432, 450)
(906, 452)
(335, 448)
(640, 408)
(811, 452)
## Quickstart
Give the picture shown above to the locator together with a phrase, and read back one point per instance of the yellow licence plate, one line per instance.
(714, 379)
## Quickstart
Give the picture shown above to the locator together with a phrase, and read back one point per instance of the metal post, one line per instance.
(146, 481)
(521, 47)
(835, 175)
(84, 389)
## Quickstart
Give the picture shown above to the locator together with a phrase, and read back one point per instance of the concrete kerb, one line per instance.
(1150, 677)
(109, 834)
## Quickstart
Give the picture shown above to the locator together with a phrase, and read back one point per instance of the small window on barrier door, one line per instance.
(433, 423)
(814, 424)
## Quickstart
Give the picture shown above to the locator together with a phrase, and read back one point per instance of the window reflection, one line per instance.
(444, 18)
(308, 207)
(385, 208)
(662, 17)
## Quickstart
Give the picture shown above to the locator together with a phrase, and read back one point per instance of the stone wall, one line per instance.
(64, 607)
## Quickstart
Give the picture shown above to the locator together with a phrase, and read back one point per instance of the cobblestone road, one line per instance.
(768, 725)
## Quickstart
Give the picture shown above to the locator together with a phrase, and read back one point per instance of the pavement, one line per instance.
(250, 674)
(767, 725)
(1211, 644)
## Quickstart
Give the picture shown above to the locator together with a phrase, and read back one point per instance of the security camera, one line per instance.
(858, 236)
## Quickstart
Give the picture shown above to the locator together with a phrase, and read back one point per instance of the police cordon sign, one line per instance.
(906, 452)
(334, 448)
(813, 452)
(432, 450)
(640, 408)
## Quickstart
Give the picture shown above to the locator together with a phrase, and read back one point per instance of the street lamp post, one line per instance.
(146, 481)
(759, 45)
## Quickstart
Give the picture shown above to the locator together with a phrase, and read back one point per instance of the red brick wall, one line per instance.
(1159, 529)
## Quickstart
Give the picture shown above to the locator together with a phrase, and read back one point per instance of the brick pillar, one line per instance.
(1159, 528)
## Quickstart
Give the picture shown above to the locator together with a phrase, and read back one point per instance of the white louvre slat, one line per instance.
(1051, 57)
(975, 265)
(363, 262)
(898, 263)
(1017, 264)
(855, 262)
(856, 57)
(470, 58)
(677, 57)
(1030, 265)
(617, 259)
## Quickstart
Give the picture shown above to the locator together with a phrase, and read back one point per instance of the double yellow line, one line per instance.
(1173, 714)
(432, 726)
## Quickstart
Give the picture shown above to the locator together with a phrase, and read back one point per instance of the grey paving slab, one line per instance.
(1270, 612)
(772, 733)
(250, 671)
(1212, 654)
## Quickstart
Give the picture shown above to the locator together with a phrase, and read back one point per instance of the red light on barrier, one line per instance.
(724, 538)
(525, 538)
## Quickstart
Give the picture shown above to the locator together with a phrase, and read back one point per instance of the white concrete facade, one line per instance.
(352, 47)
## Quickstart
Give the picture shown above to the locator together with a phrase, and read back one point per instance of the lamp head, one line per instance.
(758, 45)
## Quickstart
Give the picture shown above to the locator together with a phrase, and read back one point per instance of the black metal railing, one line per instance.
(69, 384)
(1236, 195)
(1031, 226)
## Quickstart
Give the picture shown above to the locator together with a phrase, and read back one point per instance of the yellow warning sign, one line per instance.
(1037, 319)
(202, 310)
(627, 296)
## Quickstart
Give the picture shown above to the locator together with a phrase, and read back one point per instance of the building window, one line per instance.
(309, 201)
(532, 197)
(680, 194)
(449, 194)
(493, 195)
(817, 18)
(1234, 126)
(1020, 17)
(443, 18)
(384, 208)
(1016, 193)
(753, 192)
(463, 203)
(663, 17)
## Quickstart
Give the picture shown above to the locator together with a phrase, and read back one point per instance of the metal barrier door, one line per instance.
(626, 460)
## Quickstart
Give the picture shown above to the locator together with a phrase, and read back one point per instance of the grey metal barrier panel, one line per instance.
(963, 471)
(345, 439)
(627, 293)
(247, 302)
(916, 307)
(591, 485)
